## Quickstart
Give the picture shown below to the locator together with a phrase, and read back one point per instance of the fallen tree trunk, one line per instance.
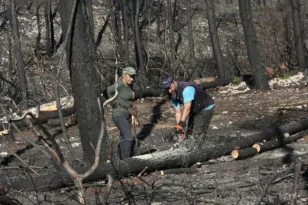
(172, 158)
(275, 143)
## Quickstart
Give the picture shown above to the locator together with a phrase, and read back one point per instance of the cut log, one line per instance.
(44, 116)
(268, 145)
(172, 158)
(47, 111)
(4, 132)
(275, 143)
(244, 153)
(190, 170)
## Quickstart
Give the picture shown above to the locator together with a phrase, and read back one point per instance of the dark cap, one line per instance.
(167, 82)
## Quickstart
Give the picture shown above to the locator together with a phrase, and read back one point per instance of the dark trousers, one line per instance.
(127, 141)
(199, 123)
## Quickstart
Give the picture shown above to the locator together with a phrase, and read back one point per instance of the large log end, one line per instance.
(257, 147)
(235, 154)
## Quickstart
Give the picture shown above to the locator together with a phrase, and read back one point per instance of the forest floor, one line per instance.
(218, 181)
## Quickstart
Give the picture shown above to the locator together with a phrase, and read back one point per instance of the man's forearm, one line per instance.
(186, 111)
(185, 114)
(177, 116)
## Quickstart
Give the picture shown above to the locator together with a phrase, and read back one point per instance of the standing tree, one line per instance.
(85, 82)
(125, 30)
(158, 18)
(38, 38)
(134, 12)
(116, 25)
(298, 36)
(191, 44)
(258, 70)
(171, 35)
(20, 63)
(214, 38)
(50, 39)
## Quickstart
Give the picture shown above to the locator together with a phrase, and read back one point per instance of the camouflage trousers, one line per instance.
(198, 125)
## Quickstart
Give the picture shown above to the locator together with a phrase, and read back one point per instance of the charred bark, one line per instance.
(298, 34)
(116, 26)
(85, 81)
(125, 30)
(139, 47)
(20, 63)
(215, 38)
(258, 70)
(38, 37)
(50, 39)
(171, 35)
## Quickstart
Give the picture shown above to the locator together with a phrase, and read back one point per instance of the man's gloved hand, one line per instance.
(179, 128)
(135, 121)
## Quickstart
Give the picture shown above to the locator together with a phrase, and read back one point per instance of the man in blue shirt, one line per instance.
(198, 108)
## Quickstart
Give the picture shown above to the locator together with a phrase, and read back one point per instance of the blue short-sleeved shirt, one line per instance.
(188, 95)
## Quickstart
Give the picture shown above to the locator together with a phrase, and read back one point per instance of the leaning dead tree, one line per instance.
(180, 157)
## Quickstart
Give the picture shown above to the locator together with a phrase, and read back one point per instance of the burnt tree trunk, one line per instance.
(50, 39)
(179, 157)
(192, 57)
(85, 82)
(118, 28)
(115, 26)
(258, 71)
(298, 34)
(20, 63)
(158, 14)
(171, 36)
(10, 58)
(101, 32)
(125, 31)
(38, 37)
(215, 38)
(139, 47)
